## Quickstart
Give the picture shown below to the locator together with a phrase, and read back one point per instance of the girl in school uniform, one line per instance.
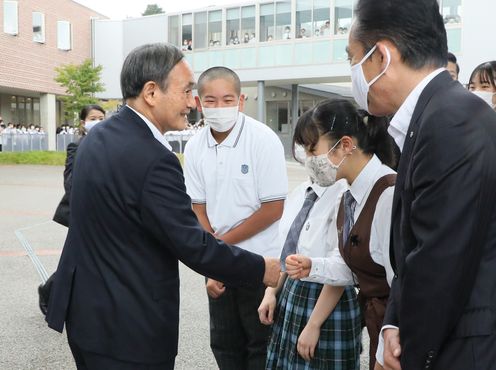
(315, 326)
(363, 154)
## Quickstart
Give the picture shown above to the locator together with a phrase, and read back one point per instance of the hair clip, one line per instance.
(366, 120)
(333, 121)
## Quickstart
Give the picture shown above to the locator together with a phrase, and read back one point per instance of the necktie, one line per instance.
(294, 231)
(349, 212)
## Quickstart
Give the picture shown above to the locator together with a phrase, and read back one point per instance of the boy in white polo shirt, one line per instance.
(235, 174)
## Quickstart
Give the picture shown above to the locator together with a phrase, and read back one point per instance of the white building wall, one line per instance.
(114, 40)
(478, 41)
(108, 51)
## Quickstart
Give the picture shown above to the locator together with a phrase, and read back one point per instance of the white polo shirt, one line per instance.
(235, 177)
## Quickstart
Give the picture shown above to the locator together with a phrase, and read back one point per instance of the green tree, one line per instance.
(153, 9)
(81, 82)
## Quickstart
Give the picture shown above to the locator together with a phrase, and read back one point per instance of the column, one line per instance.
(261, 101)
(295, 102)
(48, 114)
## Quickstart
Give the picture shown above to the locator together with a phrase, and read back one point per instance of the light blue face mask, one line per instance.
(88, 125)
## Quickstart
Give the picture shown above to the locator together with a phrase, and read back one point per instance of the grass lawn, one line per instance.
(47, 158)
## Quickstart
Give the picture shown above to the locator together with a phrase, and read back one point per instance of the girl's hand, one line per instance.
(267, 307)
(307, 341)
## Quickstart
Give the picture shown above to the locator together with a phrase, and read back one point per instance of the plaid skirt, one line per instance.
(338, 347)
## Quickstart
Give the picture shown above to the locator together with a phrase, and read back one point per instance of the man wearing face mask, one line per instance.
(235, 174)
(89, 116)
(441, 312)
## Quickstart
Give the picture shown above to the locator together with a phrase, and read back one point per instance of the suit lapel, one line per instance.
(440, 80)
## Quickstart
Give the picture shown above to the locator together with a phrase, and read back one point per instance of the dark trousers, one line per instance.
(93, 361)
(237, 338)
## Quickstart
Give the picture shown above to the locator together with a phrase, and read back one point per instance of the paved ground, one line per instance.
(28, 197)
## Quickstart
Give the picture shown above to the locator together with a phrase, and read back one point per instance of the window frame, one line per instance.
(5, 19)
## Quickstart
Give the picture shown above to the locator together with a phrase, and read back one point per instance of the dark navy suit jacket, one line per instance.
(117, 283)
(443, 230)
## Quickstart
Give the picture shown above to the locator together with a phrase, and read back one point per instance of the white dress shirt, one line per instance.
(156, 133)
(401, 120)
(398, 130)
(318, 237)
(330, 270)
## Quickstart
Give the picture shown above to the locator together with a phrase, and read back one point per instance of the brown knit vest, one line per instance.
(356, 253)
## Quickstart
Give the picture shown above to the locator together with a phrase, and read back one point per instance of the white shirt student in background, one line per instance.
(235, 174)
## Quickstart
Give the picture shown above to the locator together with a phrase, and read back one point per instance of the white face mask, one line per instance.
(221, 119)
(88, 125)
(487, 96)
(360, 86)
(321, 170)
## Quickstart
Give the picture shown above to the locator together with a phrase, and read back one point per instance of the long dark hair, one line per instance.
(339, 117)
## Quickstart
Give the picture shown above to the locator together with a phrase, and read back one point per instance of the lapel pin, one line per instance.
(411, 133)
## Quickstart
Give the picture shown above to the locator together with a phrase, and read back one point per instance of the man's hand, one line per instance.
(267, 307)
(272, 271)
(392, 349)
(215, 288)
(307, 341)
(298, 266)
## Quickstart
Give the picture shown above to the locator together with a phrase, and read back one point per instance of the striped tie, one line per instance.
(294, 232)
(349, 212)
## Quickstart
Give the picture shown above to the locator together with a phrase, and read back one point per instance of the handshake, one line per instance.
(297, 267)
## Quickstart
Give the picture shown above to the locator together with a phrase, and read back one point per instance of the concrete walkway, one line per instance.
(28, 198)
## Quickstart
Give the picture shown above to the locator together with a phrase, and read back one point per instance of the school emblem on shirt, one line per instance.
(244, 169)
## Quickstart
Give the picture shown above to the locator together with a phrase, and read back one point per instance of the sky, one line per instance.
(121, 9)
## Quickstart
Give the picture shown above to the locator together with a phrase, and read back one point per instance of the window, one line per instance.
(343, 11)
(187, 31)
(248, 23)
(64, 35)
(10, 17)
(200, 30)
(283, 20)
(313, 18)
(174, 30)
(38, 27)
(267, 22)
(304, 27)
(232, 25)
(451, 11)
(215, 28)
(321, 17)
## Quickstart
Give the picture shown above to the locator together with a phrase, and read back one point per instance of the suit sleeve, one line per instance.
(69, 165)
(448, 184)
(167, 215)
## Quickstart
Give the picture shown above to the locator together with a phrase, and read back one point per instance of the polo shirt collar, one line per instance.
(364, 180)
(232, 139)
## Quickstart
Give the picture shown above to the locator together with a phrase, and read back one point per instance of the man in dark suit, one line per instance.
(442, 308)
(117, 283)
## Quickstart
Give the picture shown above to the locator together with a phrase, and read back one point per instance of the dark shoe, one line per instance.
(43, 299)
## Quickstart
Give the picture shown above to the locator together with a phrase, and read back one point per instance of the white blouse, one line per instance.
(328, 268)
(318, 237)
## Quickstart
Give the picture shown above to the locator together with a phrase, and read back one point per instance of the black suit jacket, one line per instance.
(443, 231)
(117, 283)
(62, 212)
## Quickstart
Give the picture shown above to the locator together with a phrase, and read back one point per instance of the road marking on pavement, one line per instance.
(30, 252)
